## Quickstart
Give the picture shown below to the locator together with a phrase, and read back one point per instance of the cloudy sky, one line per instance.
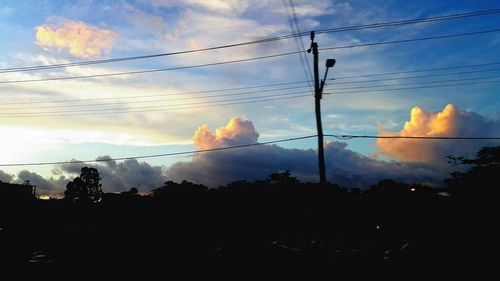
(199, 108)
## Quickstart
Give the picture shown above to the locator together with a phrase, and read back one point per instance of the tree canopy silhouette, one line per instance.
(174, 187)
(481, 178)
(86, 188)
(282, 179)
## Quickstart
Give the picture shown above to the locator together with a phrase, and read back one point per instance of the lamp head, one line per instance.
(330, 62)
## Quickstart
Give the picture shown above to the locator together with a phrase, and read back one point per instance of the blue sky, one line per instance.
(130, 28)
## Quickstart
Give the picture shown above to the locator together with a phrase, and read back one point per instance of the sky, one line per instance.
(192, 108)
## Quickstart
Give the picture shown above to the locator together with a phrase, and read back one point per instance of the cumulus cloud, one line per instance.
(236, 132)
(82, 40)
(344, 166)
(120, 176)
(34, 179)
(450, 122)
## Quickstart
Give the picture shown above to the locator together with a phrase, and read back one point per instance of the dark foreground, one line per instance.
(327, 228)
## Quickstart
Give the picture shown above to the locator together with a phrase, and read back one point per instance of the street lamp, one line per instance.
(329, 63)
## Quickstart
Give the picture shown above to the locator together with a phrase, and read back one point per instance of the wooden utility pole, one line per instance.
(318, 93)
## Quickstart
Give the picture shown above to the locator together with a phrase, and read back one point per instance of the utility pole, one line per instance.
(318, 94)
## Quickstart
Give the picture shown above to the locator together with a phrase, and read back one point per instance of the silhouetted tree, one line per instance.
(183, 187)
(85, 188)
(485, 157)
(244, 186)
(282, 179)
(481, 177)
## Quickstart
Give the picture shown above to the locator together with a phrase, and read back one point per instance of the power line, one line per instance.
(261, 91)
(156, 100)
(411, 21)
(419, 82)
(176, 106)
(284, 83)
(92, 62)
(414, 77)
(156, 95)
(146, 71)
(411, 40)
(152, 110)
(147, 106)
(413, 88)
(241, 93)
(418, 70)
(264, 40)
(156, 155)
(347, 137)
(281, 84)
(292, 21)
(240, 60)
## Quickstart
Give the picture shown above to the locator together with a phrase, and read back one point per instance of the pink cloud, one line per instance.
(236, 132)
(82, 40)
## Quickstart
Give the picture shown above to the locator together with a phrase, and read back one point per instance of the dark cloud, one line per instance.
(5, 177)
(349, 168)
(34, 179)
(120, 176)
(51, 186)
(116, 176)
(70, 168)
(344, 166)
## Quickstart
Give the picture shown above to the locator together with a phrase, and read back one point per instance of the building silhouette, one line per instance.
(14, 191)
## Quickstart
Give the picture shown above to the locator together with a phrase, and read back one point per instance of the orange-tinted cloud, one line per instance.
(450, 122)
(236, 132)
(82, 40)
